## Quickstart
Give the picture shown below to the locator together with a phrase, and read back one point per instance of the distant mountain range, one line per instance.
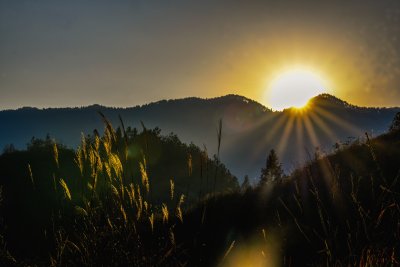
(249, 131)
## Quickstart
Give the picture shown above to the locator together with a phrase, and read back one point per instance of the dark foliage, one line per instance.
(39, 219)
(395, 126)
(272, 170)
(337, 210)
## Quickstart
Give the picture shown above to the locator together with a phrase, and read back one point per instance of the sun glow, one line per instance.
(294, 87)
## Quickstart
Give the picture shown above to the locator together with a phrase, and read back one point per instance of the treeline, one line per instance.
(122, 174)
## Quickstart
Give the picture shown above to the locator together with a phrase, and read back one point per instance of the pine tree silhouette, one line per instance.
(246, 184)
(395, 126)
(273, 169)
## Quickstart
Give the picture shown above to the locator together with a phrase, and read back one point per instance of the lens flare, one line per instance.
(294, 87)
(261, 250)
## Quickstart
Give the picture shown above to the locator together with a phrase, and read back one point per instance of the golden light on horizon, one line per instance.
(294, 87)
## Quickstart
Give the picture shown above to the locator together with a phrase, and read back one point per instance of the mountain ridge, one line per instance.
(249, 130)
(323, 97)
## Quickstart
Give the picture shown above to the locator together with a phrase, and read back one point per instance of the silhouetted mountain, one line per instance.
(249, 131)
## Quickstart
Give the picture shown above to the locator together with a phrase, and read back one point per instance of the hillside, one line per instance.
(339, 209)
(246, 125)
(143, 165)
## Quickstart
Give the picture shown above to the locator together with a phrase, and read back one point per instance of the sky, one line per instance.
(125, 53)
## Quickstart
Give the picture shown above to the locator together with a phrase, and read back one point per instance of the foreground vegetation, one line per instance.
(122, 199)
(338, 210)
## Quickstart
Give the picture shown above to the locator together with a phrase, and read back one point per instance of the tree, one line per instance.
(246, 184)
(9, 149)
(395, 126)
(273, 169)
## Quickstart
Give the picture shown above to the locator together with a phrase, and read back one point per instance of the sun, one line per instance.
(294, 87)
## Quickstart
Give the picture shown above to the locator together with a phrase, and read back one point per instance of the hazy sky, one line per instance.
(124, 53)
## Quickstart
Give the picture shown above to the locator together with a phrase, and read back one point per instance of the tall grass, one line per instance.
(106, 217)
(331, 212)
